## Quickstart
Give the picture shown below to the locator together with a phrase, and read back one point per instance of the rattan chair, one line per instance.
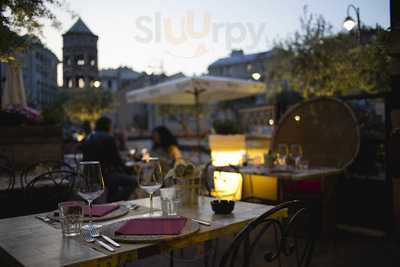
(325, 127)
(272, 239)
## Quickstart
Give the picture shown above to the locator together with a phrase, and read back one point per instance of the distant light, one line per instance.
(96, 84)
(271, 122)
(256, 76)
(349, 23)
(297, 118)
(149, 70)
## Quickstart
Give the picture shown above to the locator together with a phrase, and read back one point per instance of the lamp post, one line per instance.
(349, 23)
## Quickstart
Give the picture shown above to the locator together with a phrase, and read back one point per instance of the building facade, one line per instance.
(240, 65)
(80, 65)
(39, 72)
(114, 79)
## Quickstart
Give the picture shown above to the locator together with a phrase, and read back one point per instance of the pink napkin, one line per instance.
(153, 226)
(100, 210)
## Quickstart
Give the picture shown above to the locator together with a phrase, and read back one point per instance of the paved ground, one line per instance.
(347, 250)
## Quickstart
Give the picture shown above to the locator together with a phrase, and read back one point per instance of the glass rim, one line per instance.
(71, 203)
(89, 162)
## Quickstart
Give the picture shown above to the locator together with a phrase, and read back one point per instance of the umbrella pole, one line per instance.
(197, 114)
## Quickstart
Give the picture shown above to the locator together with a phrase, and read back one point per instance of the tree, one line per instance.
(88, 104)
(316, 62)
(22, 16)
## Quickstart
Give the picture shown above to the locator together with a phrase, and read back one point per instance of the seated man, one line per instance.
(101, 146)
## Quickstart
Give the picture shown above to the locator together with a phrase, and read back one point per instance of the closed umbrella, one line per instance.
(14, 91)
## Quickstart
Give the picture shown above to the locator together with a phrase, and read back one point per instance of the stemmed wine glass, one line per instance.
(282, 154)
(90, 185)
(150, 177)
(297, 152)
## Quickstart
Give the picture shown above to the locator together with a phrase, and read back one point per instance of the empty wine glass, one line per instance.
(297, 153)
(282, 154)
(150, 177)
(90, 185)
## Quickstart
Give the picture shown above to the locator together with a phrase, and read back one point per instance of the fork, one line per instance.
(88, 238)
(95, 233)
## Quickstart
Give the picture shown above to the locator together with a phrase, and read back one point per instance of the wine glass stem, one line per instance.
(151, 204)
(90, 212)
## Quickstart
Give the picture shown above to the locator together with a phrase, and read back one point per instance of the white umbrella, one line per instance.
(14, 91)
(196, 91)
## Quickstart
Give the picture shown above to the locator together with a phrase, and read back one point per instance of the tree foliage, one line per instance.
(88, 104)
(316, 62)
(18, 17)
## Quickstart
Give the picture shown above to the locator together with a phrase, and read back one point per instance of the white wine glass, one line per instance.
(297, 152)
(150, 177)
(90, 185)
(282, 154)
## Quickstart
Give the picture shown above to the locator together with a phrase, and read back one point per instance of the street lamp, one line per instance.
(256, 76)
(96, 84)
(349, 23)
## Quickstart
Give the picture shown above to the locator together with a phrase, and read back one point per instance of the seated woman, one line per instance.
(101, 146)
(165, 147)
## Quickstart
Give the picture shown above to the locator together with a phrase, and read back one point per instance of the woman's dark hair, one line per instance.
(103, 124)
(167, 139)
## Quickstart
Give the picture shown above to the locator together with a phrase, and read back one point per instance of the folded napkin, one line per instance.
(100, 210)
(153, 226)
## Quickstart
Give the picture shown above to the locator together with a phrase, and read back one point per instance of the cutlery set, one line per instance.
(93, 235)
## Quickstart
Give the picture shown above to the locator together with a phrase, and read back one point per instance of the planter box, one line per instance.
(25, 145)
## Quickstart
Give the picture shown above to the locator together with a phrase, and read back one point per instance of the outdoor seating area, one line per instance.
(197, 134)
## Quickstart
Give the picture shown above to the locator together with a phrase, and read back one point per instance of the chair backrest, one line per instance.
(7, 174)
(41, 167)
(44, 191)
(325, 127)
(290, 229)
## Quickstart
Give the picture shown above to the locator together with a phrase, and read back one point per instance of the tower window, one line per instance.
(92, 62)
(67, 61)
(80, 61)
(109, 84)
(81, 82)
(69, 82)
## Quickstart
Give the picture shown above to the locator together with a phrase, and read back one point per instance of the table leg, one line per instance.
(171, 258)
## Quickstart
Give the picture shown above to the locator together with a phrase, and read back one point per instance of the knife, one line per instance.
(104, 245)
(201, 222)
(109, 240)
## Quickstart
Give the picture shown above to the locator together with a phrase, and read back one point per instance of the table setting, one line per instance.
(104, 227)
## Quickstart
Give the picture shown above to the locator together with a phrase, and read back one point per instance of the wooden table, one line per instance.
(277, 179)
(27, 241)
(261, 184)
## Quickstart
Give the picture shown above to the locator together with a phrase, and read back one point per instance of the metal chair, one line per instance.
(7, 174)
(292, 238)
(44, 191)
(40, 167)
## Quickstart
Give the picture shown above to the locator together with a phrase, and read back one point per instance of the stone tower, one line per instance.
(80, 57)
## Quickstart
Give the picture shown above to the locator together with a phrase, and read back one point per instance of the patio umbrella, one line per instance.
(14, 91)
(196, 91)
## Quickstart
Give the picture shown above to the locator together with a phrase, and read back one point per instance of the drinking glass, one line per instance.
(90, 185)
(297, 152)
(71, 216)
(282, 154)
(150, 177)
(169, 201)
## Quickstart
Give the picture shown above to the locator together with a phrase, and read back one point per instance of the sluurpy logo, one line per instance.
(197, 34)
